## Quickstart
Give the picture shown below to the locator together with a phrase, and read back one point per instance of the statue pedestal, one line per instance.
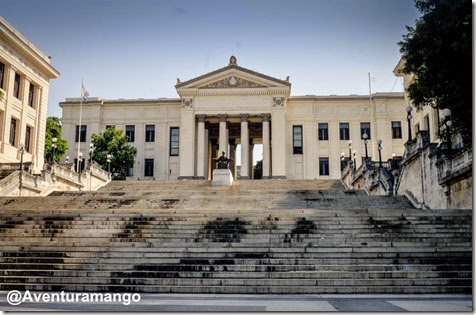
(222, 177)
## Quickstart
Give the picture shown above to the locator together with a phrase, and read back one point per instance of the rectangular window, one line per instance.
(396, 130)
(344, 131)
(323, 130)
(343, 164)
(31, 94)
(364, 129)
(13, 131)
(81, 166)
(149, 168)
(149, 133)
(130, 133)
(174, 141)
(83, 133)
(16, 86)
(323, 166)
(2, 74)
(297, 139)
(27, 138)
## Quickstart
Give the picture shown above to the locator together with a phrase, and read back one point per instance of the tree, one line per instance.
(438, 52)
(53, 130)
(113, 141)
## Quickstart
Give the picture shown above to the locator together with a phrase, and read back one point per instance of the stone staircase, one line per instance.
(270, 236)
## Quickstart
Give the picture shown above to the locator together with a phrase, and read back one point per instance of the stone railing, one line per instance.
(374, 177)
(56, 177)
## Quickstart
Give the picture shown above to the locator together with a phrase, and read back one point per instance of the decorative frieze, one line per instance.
(187, 103)
(278, 101)
(233, 82)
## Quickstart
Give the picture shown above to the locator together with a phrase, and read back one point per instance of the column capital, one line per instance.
(266, 117)
(222, 117)
(244, 117)
(201, 117)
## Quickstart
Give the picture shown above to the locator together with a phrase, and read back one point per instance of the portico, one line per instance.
(226, 108)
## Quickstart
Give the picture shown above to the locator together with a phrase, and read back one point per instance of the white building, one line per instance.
(234, 108)
(25, 73)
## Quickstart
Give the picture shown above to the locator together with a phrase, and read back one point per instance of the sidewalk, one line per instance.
(260, 303)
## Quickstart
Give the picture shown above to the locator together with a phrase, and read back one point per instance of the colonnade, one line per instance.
(224, 143)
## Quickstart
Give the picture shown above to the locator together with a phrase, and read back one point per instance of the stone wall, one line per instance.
(429, 175)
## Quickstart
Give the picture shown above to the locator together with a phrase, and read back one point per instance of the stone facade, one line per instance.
(234, 108)
(25, 73)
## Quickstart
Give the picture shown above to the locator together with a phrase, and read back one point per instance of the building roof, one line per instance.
(98, 100)
(27, 48)
(378, 95)
(232, 65)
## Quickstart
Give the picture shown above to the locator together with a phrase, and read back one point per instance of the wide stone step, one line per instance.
(242, 275)
(239, 268)
(240, 282)
(413, 289)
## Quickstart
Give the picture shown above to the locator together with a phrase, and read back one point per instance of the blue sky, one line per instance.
(132, 49)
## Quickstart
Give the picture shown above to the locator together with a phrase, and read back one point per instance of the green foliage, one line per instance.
(258, 171)
(53, 130)
(438, 51)
(113, 141)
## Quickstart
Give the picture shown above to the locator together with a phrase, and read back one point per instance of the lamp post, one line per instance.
(409, 117)
(22, 151)
(109, 157)
(366, 140)
(91, 150)
(350, 152)
(353, 154)
(53, 146)
(448, 123)
(379, 142)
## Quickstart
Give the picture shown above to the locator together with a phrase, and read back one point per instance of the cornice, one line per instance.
(16, 39)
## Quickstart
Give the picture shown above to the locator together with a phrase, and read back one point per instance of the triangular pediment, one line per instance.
(233, 82)
(232, 77)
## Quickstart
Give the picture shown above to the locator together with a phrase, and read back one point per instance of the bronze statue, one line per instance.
(223, 161)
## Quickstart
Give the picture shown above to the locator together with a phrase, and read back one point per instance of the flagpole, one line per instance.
(79, 128)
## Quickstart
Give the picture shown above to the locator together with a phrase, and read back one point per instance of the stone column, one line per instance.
(266, 146)
(201, 147)
(251, 166)
(232, 157)
(244, 147)
(223, 140)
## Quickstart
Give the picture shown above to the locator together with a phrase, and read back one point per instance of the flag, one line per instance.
(84, 93)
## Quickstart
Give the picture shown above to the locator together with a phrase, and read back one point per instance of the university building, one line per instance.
(233, 109)
(25, 73)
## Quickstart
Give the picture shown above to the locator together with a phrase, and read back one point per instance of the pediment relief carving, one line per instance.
(233, 82)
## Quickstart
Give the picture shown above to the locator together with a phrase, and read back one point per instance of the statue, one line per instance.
(223, 161)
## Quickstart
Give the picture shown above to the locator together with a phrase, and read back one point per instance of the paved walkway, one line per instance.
(259, 303)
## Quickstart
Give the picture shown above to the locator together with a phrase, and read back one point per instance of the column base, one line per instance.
(186, 177)
(279, 177)
(244, 177)
(200, 177)
(266, 177)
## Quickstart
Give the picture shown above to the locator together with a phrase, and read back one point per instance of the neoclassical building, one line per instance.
(231, 110)
(25, 73)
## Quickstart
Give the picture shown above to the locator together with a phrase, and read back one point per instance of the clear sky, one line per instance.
(137, 48)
